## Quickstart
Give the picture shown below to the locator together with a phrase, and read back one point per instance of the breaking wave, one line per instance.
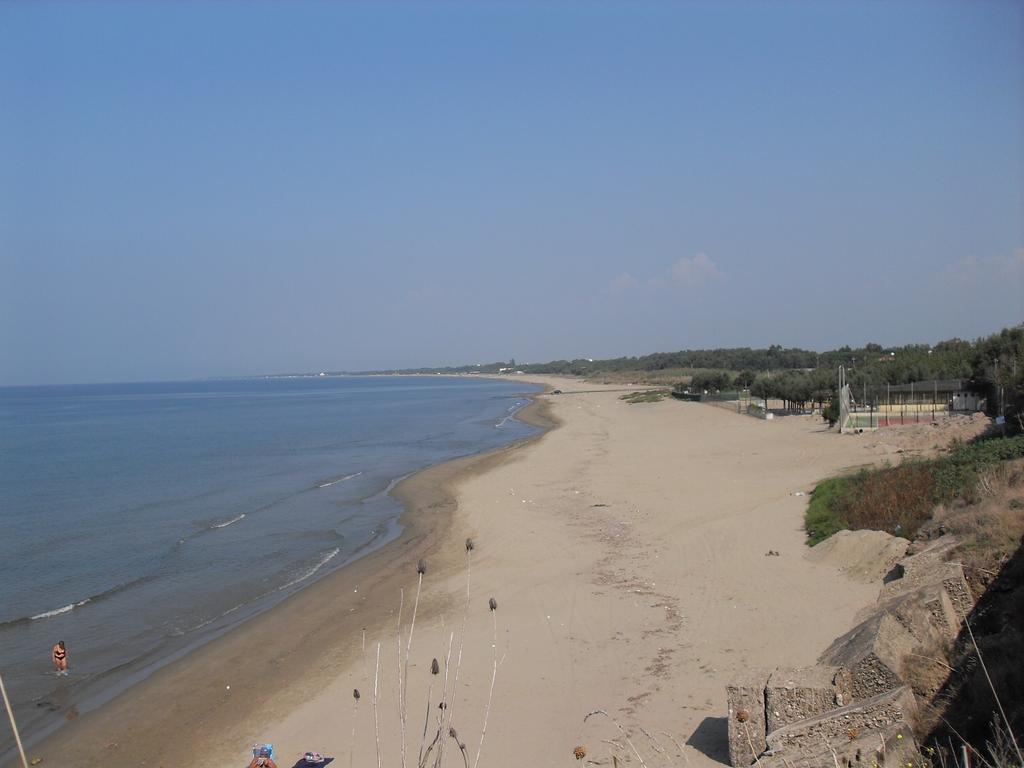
(339, 480)
(323, 561)
(225, 524)
(72, 606)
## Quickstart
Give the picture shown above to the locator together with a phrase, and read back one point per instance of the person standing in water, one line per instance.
(60, 658)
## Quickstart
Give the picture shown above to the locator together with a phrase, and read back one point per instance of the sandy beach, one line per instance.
(626, 551)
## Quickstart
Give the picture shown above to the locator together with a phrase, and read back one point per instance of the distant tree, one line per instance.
(745, 378)
(831, 413)
(763, 387)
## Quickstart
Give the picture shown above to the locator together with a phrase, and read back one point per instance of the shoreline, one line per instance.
(626, 552)
(626, 549)
(209, 711)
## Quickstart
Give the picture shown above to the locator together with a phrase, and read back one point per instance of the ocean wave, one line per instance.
(59, 611)
(225, 524)
(208, 622)
(339, 480)
(77, 604)
(512, 410)
(323, 561)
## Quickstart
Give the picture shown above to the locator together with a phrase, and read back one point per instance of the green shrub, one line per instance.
(822, 517)
(896, 500)
(900, 499)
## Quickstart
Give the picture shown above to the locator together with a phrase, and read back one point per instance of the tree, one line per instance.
(764, 387)
(745, 378)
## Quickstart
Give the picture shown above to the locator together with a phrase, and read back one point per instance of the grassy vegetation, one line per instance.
(900, 499)
(645, 396)
(822, 518)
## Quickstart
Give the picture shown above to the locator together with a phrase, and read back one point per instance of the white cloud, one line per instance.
(694, 271)
(683, 273)
(985, 270)
(623, 283)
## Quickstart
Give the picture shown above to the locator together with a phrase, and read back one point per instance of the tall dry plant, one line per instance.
(398, 658)
(470, 547)
(434, 671)
(621, 730)
(403, 684)
(493, 605)
(992, 687)
(434, 739)
(376, 722)
(425, 756)
(355, 713)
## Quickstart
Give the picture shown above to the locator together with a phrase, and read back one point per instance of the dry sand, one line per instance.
(626, 550)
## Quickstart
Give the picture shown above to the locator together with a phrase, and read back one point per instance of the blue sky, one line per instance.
(192, 189)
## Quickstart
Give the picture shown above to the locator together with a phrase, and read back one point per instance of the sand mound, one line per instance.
(929, 438)
(865, 556)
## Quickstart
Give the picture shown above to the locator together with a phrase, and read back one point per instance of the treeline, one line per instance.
(801, 376)
(995, 364)
(872, 363)
(795, 388)
(732, 359)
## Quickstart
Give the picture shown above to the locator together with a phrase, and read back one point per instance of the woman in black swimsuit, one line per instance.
(60, 658)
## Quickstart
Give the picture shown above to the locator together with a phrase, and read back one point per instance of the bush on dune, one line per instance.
(900, 499)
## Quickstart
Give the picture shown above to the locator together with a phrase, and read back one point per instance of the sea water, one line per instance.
(137, 520)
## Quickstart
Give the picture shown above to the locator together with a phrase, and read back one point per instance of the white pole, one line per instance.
(14, 726)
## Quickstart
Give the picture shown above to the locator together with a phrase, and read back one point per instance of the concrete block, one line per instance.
(927, 613)
(930, 566)
(796, 694)
(891, 746)
(836, 730)
(747, 723)
(872, 653)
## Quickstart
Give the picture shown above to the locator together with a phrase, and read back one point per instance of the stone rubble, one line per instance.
(852, 709)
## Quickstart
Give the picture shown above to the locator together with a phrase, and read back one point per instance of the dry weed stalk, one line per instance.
(835, 757)
(658, 748)
(403, 677)
(355, 712)
(750, 743)
(678, 745)
(398, 678)
(376, 722)
(933, 660)
(434, 670)
(470, 546)
(493, 605)
(621, 730)
(440, 709)
(1002, 712)
(461, 745)
(14, 726)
